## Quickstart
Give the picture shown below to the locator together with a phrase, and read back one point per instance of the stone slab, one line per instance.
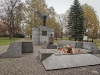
(14, 51)
(69, 61)
(44, 53)
(27, 47)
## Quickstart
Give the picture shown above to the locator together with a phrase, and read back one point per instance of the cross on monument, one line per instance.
(44, 17)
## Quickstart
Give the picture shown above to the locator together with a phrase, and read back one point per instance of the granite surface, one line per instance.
(14, 51)
(69, 61)
(27, 47)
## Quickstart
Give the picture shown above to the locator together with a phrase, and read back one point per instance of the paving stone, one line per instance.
(69, 61)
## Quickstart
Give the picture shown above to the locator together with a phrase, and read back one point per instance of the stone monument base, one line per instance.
(27, 47)
(45, 46)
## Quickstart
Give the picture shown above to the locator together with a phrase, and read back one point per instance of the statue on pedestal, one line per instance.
(44, 17)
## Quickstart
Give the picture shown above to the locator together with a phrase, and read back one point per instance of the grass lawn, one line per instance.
(6, 40)
(97, 41)
(56, 41)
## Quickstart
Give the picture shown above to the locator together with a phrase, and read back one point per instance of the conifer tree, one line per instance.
(76, 21)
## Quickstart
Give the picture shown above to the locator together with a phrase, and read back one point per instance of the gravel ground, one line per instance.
(3, 48)
(29, 64)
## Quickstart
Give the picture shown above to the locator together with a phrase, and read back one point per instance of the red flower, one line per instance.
(65, 51)
(61, 48)
(79, 51)
(70, 48)
(71, 52)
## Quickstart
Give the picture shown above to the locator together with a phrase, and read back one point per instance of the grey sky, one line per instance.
(61, 6)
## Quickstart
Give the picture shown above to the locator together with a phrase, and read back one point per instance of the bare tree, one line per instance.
(12, 17)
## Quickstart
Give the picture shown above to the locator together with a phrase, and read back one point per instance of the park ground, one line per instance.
(30, 64)
(7, 41)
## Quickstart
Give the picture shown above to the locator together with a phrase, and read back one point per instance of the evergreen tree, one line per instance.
(76, 21)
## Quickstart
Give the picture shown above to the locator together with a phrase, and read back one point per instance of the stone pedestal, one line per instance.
(27, 47)
(41, 34)
(51, 46)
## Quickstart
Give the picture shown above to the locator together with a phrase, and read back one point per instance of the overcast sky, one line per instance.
(61, 6)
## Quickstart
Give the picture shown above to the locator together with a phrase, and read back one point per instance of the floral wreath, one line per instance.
(66, 49)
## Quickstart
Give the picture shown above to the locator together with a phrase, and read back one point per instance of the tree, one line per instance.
(32, 19)
(91, 21)
(3, 29)
(76, 21)
(13, 16)
(53, 23)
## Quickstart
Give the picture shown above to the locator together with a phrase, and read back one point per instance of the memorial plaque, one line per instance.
(44, 33)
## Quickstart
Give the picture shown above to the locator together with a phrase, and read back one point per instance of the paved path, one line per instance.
(30, 64)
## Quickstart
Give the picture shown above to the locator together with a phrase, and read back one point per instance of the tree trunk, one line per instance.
(10, 35)
(74, 39)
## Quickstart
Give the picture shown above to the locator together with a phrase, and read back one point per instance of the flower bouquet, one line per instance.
(66, 50)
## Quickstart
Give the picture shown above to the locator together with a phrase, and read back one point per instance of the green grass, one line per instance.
(56, 41)
(97, 41)
(28, 39)
(6, 40)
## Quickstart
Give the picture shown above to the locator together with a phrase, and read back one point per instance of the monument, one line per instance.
(42, 33)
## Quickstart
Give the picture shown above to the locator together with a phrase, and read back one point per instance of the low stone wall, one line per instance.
(91, 46)
(14, 51)
(16, 48)
(83, 45)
